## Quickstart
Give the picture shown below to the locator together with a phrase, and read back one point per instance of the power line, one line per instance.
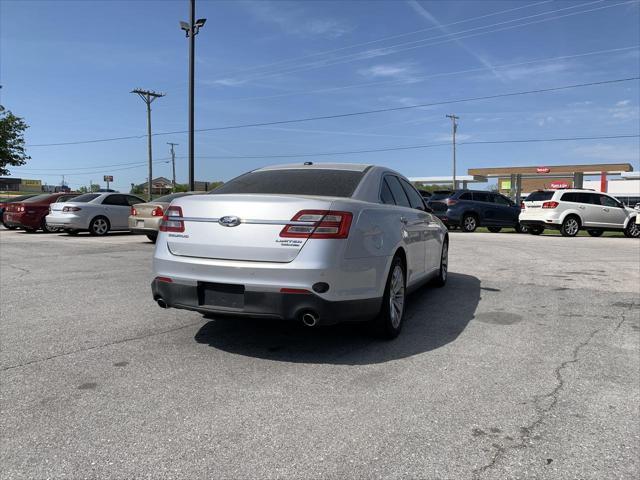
(94, 167)
(101, 170)
(364, 112)
(420, 78)
(415, 147)
(348, 47)
(447, 38)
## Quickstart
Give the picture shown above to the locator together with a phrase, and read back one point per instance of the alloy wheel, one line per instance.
(571, 226)
(100, 226)
(469, 224)
(396, 296)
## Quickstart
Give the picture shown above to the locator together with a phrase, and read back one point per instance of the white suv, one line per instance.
(572, 210)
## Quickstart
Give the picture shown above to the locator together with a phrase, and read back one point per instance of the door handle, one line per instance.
(581, 207)
(404, 220)
(605, 209)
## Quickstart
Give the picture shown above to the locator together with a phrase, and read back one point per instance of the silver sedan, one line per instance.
(98, 213)
(316, 243)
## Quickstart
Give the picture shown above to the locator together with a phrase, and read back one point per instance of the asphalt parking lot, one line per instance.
(526, 365)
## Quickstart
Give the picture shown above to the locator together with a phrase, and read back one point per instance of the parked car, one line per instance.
(426, 195)
(317, 243)
(30, 214)
(7, 200)
(470, 209)
(96, 212)
(573, 210)
(145, 217)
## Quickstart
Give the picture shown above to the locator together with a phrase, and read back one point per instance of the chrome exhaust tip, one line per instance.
(310, 319)
(162, 303)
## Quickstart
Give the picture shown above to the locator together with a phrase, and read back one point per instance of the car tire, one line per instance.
(570, 226)
(519, 228)
(595, 233)
(47, 229)
(632, 229)
(152, 236)
(71, 232)
(494, 229)
(9, 227)
(469, 223)
(99, 226)
(388, 323)
(443, 273)
(534, 230)
(31, 230)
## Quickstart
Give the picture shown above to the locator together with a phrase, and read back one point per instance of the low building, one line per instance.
(12, 184)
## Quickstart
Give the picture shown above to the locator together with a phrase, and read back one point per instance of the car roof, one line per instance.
(355, 167)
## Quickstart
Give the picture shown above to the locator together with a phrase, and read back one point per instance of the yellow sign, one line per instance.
(505, 185)
(31, 183)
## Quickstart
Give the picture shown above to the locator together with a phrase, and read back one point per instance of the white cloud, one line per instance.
(401, 72)
(295, 20)
(607, 152)
(623, 103)
(584, 103)
(546, 120)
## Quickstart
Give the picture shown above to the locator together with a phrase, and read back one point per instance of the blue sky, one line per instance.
(258, 61)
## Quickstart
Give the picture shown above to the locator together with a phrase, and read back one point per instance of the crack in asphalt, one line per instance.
(542, 411)
(80, 350)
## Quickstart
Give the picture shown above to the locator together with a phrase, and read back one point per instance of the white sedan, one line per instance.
(98, 213)
(316, 243)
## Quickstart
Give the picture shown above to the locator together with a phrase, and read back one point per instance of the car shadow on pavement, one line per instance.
(434, 318)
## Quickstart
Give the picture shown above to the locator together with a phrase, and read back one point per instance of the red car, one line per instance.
(30, 213)
(7, 200)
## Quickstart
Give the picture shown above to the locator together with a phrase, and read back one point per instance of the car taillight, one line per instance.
(522, 206)
(71, 209)
(550, 204)
(318, 224)
(172, 220)
(134, 212)
(19, 208)
(157, 212)
(450, 201)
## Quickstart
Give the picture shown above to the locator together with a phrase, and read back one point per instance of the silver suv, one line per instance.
(573, 210)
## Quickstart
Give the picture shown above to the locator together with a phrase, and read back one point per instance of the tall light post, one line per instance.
(173, 164)
(191, 30)
(148, 96)
(454, 128)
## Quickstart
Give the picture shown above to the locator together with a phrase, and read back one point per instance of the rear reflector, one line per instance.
(164, 279)
(522, 206)
(172, 220)
(550, 204)
(300, 291)
(321, 224)
(134, 212)
(450, 201)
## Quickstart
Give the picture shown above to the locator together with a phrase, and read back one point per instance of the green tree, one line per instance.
(12, 152)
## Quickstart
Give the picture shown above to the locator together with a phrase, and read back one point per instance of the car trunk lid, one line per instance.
(255, 238)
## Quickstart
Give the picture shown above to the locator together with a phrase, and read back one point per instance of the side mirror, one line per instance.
(428, 209)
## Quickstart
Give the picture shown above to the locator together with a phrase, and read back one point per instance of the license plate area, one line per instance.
(223, 295)
(139, 223)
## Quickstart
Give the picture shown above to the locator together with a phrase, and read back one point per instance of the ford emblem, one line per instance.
(229, 221)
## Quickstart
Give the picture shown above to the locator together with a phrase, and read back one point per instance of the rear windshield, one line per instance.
(37, 198)
(169, 198)
(439, 195)
(327, 183)
(539, 196)
(87, 197)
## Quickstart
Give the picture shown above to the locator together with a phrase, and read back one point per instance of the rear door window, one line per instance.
(415, 199)
(482, 197)
(607, 201)
(570, 197)
(118, 200)
(500, 200)
(397, 191)
(327, 183)
(385, 194)
(465, 196)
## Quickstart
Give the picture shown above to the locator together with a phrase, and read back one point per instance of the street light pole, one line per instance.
(191, 30)
(148, 96)
(454, 127)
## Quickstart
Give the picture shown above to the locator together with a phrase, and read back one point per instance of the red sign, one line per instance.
(543, 169)
(559, 184)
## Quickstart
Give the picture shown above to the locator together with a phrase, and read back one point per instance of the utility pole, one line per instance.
(454, 128)
(148, 96)
(173, 164)
(191, 30)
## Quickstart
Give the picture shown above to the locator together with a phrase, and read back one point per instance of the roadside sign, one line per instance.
(108, 178)
(559, 184)
(543, 169)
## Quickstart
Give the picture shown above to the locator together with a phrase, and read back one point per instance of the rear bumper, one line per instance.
(144, 225)
(539, 223)
(70, 222)
(22, 220)
(261, 304)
